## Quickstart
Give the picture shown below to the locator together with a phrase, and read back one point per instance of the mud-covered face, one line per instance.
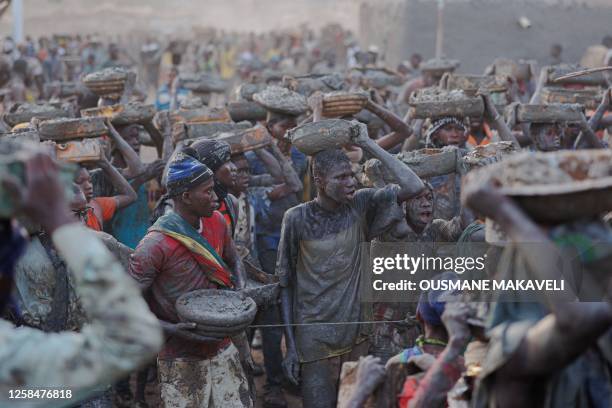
(419, 210)
(226, 175)
(202, 199)
(242, 174)
(451, 134)
(131, 136)
(547, 137)
(339, 183)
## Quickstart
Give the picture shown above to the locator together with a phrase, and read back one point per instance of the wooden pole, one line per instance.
(440, 30)
(580, 73)
(17, 21)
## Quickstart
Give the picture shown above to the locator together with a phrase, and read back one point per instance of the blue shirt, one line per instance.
(269, 214)
(130, 224)
(163, 98)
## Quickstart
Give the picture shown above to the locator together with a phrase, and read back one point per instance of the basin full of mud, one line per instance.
(217, 313)
(281, 100)
(436, 103)
(312, 138)
(554, 187)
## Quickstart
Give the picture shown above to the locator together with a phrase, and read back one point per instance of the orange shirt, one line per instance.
(107, 205)
(487, 139)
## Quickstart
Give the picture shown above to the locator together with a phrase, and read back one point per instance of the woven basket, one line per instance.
(338, 104)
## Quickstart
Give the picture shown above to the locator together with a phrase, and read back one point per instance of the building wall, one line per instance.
(477, 31)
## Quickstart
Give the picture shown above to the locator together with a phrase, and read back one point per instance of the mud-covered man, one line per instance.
(319, 266)
(187, 249)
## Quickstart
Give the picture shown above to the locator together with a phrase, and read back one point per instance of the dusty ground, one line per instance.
(292, 400)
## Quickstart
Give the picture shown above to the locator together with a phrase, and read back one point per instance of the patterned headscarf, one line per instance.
(439, 124)
(183, 173)
(213, 153)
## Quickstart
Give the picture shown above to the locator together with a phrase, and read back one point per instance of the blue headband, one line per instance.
(184, 173)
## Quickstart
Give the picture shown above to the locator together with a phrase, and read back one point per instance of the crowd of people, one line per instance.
(92, 266)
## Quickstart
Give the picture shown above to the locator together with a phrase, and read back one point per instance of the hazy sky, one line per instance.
(45, 16)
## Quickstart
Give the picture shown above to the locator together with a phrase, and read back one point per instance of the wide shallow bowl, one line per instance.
(122, 114)
(378, 78)
(551, 113)
(589, 97)
(246, 110)
(557, 71)
(314, 137)
(216, 312)
(472, 83)
(308, 84)
(246, 91)
(281, 100)
(487, 154)
(25, 112)
(242, 141)
(436, 103)
(431, 162)
(209, 130)
(554, 187)
(200, 115)
(69, 129)
(107, 82)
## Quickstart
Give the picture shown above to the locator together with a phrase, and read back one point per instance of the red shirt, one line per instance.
(226, 214)
(167, 268)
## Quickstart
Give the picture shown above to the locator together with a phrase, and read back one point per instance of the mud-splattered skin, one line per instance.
(451, 135)
(319, 268)
(419, 210)
(547, 137)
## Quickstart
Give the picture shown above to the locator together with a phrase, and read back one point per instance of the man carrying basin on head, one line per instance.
(319, 260)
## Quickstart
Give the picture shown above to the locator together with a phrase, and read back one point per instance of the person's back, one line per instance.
(122, 333)
(550, 348)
